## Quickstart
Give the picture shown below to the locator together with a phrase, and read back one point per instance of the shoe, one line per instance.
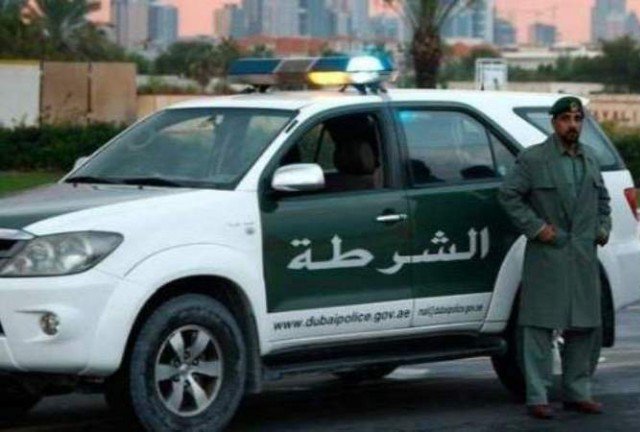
(584, 407)
(542, 412)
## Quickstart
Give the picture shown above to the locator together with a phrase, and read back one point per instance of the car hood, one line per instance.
(26, 208)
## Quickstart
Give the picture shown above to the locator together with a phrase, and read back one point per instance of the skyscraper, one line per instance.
(386, 27)
(543, 34)
(609, 20)
(254, 15)
(475, 21)
(360, 24)
(281, 18)
(229, 21)
(315, 18)
(504, 33)
(163, 24)
(130, 19)
(341, 17)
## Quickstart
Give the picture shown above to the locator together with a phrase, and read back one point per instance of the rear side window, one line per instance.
(451, 147)
(592, 136)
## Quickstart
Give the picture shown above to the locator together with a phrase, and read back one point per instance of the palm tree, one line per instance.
(61, 21)
(426, 18)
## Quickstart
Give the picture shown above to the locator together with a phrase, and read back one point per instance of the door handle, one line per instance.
(386, 218)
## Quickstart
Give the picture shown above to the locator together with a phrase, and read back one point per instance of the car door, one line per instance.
(322, 250)
(455, 162)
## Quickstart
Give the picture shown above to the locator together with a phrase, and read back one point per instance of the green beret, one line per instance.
(566, 104)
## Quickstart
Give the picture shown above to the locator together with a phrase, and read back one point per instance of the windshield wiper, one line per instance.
(90, 179)
(150, 181)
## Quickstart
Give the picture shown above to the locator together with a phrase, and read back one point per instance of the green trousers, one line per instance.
(579, 353)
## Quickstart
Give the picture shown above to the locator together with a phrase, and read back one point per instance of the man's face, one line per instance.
(568, 126)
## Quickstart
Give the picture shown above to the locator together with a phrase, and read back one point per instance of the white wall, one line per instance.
(19, 93)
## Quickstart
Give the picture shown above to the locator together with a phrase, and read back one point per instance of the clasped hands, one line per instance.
(548, 235)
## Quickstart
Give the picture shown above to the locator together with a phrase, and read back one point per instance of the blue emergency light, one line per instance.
(363, 72)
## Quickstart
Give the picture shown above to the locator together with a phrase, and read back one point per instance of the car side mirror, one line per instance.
(298, 178)
(79, 162)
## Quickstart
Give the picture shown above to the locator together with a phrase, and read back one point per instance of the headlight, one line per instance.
(61, 254)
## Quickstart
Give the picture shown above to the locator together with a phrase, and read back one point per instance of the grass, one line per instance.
(16, 181)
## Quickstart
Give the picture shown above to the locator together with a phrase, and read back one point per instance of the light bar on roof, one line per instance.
(319, 71)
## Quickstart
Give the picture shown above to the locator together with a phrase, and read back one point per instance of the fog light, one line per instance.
(49, 323)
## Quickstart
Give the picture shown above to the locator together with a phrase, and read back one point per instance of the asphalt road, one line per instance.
(453, 396)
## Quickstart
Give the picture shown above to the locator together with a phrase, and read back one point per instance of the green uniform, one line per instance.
(560, 281)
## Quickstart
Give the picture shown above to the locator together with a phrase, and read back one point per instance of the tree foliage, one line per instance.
(54, 30)
(198, 60)
(463, 69)
(426, 19)
(618, 68)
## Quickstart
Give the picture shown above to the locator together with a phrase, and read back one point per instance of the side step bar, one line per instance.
(352, 356)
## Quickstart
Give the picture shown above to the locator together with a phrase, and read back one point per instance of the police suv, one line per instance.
(226, 242)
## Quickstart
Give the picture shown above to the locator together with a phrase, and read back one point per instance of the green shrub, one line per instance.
(51, 148)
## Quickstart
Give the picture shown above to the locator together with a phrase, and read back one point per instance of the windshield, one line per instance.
(592, 136)
(193, 147)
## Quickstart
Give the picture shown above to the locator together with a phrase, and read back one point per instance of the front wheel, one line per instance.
(188, 367)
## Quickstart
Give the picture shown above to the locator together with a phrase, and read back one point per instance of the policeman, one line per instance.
(556, 197)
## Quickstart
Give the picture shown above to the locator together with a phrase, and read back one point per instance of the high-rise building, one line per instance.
(471, 21)
(543, 34)
(163, 24)
(633, 25)
(610, 19)
(130, 19)
(254, 15)
(281, 18)
(341, 17)
(360, 24)
(504, 33)
(315, 18)
(229, 21)
(386, 27)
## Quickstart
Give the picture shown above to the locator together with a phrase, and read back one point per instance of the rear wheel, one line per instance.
(368, 373)
(507, 366)
(188, 366)
(15, 398)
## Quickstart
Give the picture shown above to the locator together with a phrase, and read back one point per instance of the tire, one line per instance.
(368, 373)
(507, 366)
(187, 367)
(15, 398)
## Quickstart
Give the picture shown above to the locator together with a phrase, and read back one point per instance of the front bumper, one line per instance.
(79, 302)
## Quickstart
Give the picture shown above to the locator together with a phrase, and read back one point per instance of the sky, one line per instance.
(571, 16)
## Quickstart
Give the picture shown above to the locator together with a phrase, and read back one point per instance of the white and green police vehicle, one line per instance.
(226, 242)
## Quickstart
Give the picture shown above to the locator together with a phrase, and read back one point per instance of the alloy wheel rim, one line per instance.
(189, 371)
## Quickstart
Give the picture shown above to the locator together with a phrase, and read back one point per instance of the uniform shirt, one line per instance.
(572, 167)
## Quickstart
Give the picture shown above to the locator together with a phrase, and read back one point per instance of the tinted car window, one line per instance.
(592, 136)
(347, 148)
(196, 147)
(446, 147)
